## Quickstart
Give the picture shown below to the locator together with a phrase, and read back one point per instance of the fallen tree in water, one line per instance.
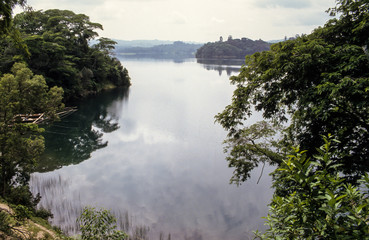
(38, 118)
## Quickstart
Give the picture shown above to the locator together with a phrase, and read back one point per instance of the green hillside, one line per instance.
(232, 48)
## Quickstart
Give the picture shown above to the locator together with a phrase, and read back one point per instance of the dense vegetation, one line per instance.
(45, 56)
(231, 49)
(173, 51)
(58, 48)
(21, 145)
(313, 201)
(307, 87)
(97, 224)
(312, 86)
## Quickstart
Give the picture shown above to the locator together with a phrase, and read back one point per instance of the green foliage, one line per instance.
(43, 213)
(312, 200)
(21, 195)
(21, 143)
(7, 30)
(99, 224)
(4, 222)
(310, 86)
(233, 48)
(252, 146)
(58, 41)
(22, 213)
(6, 9)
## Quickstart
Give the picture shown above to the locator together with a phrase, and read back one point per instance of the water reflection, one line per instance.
(73, 139)
(230, 66)
(164, 162)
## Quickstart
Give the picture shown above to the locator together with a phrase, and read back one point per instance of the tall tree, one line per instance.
(59, 44)
(310, 86)
(6, 10)
(8, 33)
(21, 143)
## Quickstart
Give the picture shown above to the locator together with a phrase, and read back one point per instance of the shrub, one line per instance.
(22, 213)
(313, 201)
(99, 224)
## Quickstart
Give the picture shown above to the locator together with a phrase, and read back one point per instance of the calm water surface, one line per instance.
(154, 156)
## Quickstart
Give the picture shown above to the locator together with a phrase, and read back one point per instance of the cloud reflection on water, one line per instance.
(165, 163)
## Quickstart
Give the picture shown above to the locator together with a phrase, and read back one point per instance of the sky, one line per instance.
(198, 20)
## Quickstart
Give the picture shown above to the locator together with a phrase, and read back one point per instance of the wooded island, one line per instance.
(231, 49)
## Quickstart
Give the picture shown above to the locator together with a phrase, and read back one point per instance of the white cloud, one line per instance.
(198, 20)
(148, 136)
(178, 18)
(283, 3)
(217, 20)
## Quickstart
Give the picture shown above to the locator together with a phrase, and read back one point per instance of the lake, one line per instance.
(153, 155)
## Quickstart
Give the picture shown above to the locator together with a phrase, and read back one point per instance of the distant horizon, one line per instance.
(197, 20)
(193, 42)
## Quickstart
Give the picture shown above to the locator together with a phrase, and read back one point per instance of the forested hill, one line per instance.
(56, 46)
(176, 49)
(232, 48)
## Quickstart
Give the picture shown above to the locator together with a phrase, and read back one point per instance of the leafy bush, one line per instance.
(21, 195)
(22, 213)
(43, 213)
(99, 225)
(4, 222)
(313, 201)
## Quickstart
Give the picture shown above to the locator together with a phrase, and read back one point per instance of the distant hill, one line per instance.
(231, 49)
(123, 44)
(177, 49)
(276, 41)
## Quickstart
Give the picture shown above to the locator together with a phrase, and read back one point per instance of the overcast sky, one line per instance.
(198, 20)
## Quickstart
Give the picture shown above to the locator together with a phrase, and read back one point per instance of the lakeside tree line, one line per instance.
(45, 60)
(56, 45)
(231, 49)
(176, 50)
(313, 93)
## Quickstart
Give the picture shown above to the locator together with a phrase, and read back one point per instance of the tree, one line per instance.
(99, 225)
(21, 144)
(6, 9)
(312, 200)
(8, 33)
(232, 48)
(58, 42)
(307, 87)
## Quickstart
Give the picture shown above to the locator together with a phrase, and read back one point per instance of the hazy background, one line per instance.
(198, 20)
